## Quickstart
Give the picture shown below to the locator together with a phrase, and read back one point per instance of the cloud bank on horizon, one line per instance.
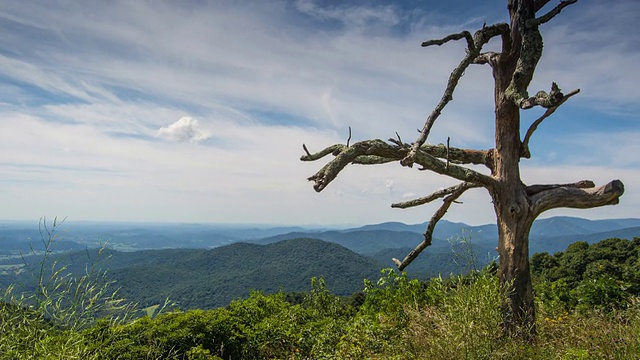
(196, 111)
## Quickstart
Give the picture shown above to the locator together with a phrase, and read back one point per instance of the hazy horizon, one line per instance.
(230, 225)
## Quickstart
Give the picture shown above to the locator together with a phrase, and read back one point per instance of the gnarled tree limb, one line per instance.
(525, 143)
(436, 195)
(583, 184)
(543, 99)
(555, 11)
(429, 162)
(480, 38)
(455, 155)
(428, 235)
(334, 149)
(576, 197)
(378, 152)
(462, 35)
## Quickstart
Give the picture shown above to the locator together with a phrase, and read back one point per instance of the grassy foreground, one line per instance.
(397, 318)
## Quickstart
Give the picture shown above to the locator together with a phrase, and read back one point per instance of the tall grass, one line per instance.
(464, 322)
(43, 319)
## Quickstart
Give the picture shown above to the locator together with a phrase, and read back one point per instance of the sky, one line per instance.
(196, 111)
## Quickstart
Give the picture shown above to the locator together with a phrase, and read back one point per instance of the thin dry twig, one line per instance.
(306, 150)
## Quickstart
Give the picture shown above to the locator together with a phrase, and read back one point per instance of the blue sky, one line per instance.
(197, 111)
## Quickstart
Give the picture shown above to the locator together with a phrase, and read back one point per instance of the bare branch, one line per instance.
(378, 152)
(465, 34)
(455, 155)
(399, 139)
(459, 156)
(346, 155)
(555, 11)
(428, 235)
(349, 138)
(583, 184)
(428, 162)
(575, 197)
(436, 195)
(525, 143)
(480, 38)
(372, 160)
(334, 149)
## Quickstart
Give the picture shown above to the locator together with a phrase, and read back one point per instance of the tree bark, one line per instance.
(514, 221)
(514, 218)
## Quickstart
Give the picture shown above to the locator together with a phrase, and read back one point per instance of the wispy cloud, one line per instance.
(351, 16)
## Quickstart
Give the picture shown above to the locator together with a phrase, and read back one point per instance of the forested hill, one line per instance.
(212, 278)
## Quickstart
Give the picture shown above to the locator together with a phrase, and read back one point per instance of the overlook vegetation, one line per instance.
(587, 300)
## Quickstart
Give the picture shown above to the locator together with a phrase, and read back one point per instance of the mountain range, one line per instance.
(393, 239)
(204, 266)
(551, 234)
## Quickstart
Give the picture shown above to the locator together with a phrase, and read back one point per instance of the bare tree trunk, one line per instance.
(512, 207)
(513, 247)
(514, 219)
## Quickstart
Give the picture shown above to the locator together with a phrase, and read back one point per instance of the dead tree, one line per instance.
(516, 204)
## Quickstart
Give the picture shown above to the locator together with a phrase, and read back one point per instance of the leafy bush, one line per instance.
(260, 327)
(601, 276)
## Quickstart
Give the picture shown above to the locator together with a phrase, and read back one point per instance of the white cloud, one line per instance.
(187, 129)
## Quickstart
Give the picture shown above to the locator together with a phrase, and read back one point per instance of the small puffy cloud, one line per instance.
(186, 129)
